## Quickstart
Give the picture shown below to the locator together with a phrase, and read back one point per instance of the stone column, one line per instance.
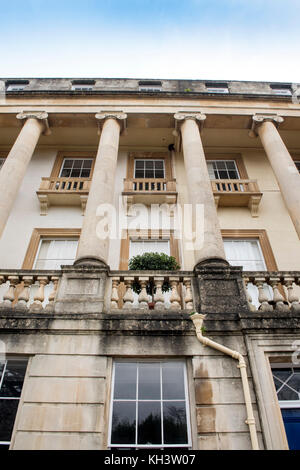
(285, 170)
(200, 190)
(93, 249)
(15, 165)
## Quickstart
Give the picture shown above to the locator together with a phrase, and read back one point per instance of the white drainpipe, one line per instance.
(198, 322)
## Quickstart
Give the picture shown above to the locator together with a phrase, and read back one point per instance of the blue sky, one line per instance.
(200, 39)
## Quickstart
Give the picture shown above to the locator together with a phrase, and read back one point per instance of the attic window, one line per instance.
(17, 85)
(283, 90)
(150, 86)
(217, 88)
(83, 85)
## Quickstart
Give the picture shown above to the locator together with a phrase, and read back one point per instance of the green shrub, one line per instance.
(152, 262)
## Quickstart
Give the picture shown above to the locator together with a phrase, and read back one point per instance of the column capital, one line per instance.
(117, 115)
(39, 115)
(258, 119)
(180, 117)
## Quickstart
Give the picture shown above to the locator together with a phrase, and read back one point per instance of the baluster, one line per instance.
(278, 298)
(262, 296)
(37, 305)
(143, 297)
(24, 296)
(9, 296)
(114, 293)
(249, 298)
(188, 298)
(159, 298)
(51, 299)
(128, 298)
(293, 298)
(175, 297)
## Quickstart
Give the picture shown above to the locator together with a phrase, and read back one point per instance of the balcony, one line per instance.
(150, 191)
(63, 192)
(237, 193)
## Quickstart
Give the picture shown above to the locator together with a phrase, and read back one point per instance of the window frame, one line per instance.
(132, 156)
(226, 169)
(44, 238)
(42, 233)
(137, 446)
(144, 169)
(25, 359)
(261, 236)
(62, 156)
(237, 158)
(76, 158)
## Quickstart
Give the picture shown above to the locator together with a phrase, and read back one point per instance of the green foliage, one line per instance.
(152, 262)
(187, 90)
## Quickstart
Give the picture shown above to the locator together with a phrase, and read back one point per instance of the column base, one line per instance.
(211, 262)
(90, 261)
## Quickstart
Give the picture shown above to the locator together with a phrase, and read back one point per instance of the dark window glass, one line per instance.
(139, 173)
(159, 174)
(149, 382)
(8, 410)
(65, 173)
(282, 374)
(125, 381)
(68, 163)
(287, 393)
(149, 423)
(123, 423)
(291, 419)
(149, 173)
(159, 165)
(75, 173)
(85, 173)
(175, 425)
(87, 164)
(149, 164)
(140, 164)
(173, 382)
(13, 379)
(294, 382)
(77, 163)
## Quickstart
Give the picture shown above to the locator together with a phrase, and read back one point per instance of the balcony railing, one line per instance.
(275, 290)
(179, 296)
(153, 190)
(28, 291)
(239, 193)
(63, 191)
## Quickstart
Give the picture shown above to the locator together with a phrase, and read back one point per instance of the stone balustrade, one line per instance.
(274, 290)
(237, 192)
(179, 295)
(28, 291)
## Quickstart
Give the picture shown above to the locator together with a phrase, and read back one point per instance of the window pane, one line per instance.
(77, 163)
(159, 164)
(149, 423)
(294, 382)
(220, 165)
(149, 164)
(149, 173)
(65, 173)
(125, 381)
(287, 393)
(282, 374)
(8, 410)
(232, 175)
(291, 418)
(87, 163)
(13, 378)
(230, 165)
(139, 173)
(68, 163)
(123, 423)
(75, 173)
(159, 174)
(85, 173)
(175, 425)
(173, 381)
(223, 174)
(139, 164)
(149, 382)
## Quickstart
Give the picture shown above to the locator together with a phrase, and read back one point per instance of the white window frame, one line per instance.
(187, 407)
(217, 169)
(15, 87)
(149, 240)
(42, 239)
(73, 160)
(232, 239)
(12, 358)
(149, 160)
(282, 91)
